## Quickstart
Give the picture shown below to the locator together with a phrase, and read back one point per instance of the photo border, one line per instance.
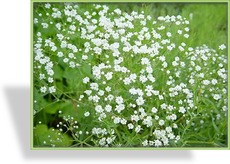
(122, 148)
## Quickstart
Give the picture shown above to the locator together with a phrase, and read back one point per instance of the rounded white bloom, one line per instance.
(43, 89)
(217, 96)
(140, 101)
(161, 122)
(182, 110)
(214, 81)
(99, 109)
(222, 47)
(86, 114)
(94, 86)
(109, 75)
(130, 126)
(52, 89)
(117, 120)
(86, 80)
(108, 108)
(138, 129)
(145, 143)
(168, 129)
(119, 100)
(108, 88)
(154, 110)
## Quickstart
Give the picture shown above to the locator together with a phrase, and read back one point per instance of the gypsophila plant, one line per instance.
(107, 77)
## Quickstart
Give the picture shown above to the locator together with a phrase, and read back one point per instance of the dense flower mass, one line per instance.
(112, 78)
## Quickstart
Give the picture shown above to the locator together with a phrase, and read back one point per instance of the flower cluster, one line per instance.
(145, 83)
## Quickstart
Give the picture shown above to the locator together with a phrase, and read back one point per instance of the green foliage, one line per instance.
(44, 137)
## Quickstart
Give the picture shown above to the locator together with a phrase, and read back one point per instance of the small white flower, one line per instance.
(94, 86)
(86, 80)
(108, 88)
(168, 129)
(59, 54)
(198, 68)
(47, 5)
(217, 96)
(50, 79)
(182, 110)
(145, 143)
(214, 81)
(43, 89)
(108, 108)
(84, 57)
(140, 101)
(157, 143)
(222, 47)
(161, 122)
(52, 89)
(86, 114)
(119, 100)
(130, 126)
(109, 75)
(117, 120)
(138, 129)
(154, 110)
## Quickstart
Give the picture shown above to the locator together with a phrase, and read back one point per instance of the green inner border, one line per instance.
(121, 148)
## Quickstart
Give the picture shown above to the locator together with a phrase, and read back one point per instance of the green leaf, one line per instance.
(58, 72)
(44, 137)
(52, 109)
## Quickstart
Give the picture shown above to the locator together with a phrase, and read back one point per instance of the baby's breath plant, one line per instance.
(107, 77)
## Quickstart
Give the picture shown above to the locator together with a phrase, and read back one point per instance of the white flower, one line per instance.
(41, 76)
(214, 81)
(86, 114)
(140, 101)
(101, 92)
(138, 129)
(108, 88)
(145, 61)
(94, 86)
(50, 79)
(108, 108)
(86, 80)
(99, 109)
(198, 68)
(109, 75)
(145, 143)
(222, 47)
(157, 143)
(84, 57)
(130, 126)
(186, 35)
(45, 25)
(43, 89)
(117, 120)
(143, 79)
(123, 121)
(161, 122)
(119, 107)
(217, 96)
(72, 27)
(59, 54)
(119, 100)
(154, 110)
(47, 5)
(168, 129)
(52, 89)
(182, 110)
(206, 82)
